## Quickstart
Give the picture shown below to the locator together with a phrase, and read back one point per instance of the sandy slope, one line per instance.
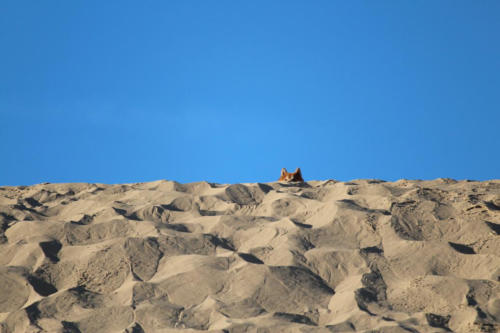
(322, 256)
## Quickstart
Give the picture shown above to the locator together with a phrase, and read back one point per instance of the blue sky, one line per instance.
(232, 91)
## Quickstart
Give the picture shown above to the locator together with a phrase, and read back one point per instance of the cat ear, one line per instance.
(297, 171)
(283, 171)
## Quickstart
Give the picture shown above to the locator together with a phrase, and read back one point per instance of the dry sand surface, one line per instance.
(321, 256)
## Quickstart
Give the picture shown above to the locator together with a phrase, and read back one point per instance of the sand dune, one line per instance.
(321, 256)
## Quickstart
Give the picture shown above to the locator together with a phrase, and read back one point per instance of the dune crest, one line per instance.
(317, 256)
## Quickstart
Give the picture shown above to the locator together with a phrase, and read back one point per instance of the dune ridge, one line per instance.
(319, 256)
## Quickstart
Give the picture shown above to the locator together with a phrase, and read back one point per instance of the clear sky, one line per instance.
(231, 91)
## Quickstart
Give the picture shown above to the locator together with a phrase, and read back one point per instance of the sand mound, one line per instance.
(322, 256)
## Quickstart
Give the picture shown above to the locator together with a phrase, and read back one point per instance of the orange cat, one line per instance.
(291, 176)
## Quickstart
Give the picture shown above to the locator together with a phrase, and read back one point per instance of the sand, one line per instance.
(320, 256)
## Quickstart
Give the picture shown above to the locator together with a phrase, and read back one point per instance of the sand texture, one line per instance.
(320, 256)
